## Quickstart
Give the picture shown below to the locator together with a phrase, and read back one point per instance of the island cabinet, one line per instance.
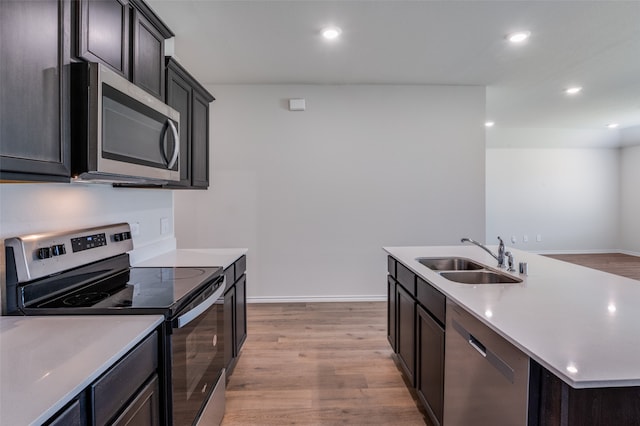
(191, 100)
(552, 402)
(416, 332)
(126, 394)
(34, 94)
(235, 312)
(125, 35)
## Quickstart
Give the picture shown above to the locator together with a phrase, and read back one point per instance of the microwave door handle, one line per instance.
(176, 145)
(194, 313)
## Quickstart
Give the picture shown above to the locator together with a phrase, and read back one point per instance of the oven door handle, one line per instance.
(194, 313)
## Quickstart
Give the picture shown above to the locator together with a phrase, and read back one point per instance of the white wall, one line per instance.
(315, 195)
(36, 207)
(568, 196)
(630, 196)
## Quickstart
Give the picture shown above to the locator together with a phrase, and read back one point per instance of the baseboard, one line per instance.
(316, 299)
(630, 253)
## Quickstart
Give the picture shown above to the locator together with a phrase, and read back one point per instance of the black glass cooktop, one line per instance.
(136, 288)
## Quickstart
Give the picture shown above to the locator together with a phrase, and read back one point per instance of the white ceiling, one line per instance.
(594, 44)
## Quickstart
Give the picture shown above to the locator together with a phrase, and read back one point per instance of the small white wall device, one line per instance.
(297, 104)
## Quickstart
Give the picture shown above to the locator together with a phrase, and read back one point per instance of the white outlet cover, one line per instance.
(164, 225)
(135, 228)
(525, 238)
(538, 238)
(514, 239)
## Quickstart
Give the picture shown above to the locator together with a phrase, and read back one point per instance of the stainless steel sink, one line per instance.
(479, 277)
(449, 263)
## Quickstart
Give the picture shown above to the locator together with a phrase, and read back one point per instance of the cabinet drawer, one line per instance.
(112, 391)
(70, 416)
(432, 299)
(391, 266)
(406, 278)
(241, 266)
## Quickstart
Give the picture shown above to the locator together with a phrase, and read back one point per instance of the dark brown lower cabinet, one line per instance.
(128, 394)
(552, 402)
(235, 313)
(406, 340)
(430, 364)
(391, 312)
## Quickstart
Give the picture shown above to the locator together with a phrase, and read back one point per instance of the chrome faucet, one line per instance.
(501, 251)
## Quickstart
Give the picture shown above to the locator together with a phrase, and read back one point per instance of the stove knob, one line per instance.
(44, 253)
(117, 237)
(58, 249)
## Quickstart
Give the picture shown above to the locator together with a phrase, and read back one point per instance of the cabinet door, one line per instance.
(406, 321)
(391, 312)
(241, 313)
(34, 94)
(200, 141)
(103, 33)
(430, 364)
(148, 55)
(144, 410)
(179, 98)
(229, 328)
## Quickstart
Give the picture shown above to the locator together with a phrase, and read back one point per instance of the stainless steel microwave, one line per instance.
(119, 132)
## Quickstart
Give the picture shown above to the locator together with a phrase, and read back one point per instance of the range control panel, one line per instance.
(88, 242)
(40, 255)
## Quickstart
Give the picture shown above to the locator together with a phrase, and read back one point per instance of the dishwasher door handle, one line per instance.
(475, 344)
(491, 357)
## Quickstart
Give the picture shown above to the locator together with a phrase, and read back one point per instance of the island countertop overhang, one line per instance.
(581, 324)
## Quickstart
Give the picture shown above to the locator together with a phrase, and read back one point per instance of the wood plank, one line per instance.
(318, 363)
(615, 263)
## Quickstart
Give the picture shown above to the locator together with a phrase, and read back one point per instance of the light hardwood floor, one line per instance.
(318, 363)
(615, 263)
(330, 363)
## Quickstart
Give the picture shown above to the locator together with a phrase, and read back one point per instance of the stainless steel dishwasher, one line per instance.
(486, 378)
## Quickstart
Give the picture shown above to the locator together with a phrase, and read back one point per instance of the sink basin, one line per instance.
(479, 277)
(449, 263)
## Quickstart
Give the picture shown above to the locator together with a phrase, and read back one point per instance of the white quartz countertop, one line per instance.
(581, 324)
(46, 361)
(223, 257)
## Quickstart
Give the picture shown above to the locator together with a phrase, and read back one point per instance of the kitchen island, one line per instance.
(579, 325)
(45, 362)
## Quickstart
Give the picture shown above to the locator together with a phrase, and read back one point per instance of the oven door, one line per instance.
(197, 360)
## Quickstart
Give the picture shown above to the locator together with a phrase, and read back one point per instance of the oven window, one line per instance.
(197, 362)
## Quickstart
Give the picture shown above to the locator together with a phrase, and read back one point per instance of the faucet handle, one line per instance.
(510, 261)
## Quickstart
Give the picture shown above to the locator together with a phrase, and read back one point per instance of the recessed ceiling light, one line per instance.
(331, 33)
(573, 90)
(612, 125)
(489, 124)
(518, 37)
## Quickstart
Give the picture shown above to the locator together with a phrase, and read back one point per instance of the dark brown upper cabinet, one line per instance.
(127, 36)
(34, 93)
(191, 100)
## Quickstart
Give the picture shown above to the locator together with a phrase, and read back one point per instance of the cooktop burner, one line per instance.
(84, 299)
(147, 288)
